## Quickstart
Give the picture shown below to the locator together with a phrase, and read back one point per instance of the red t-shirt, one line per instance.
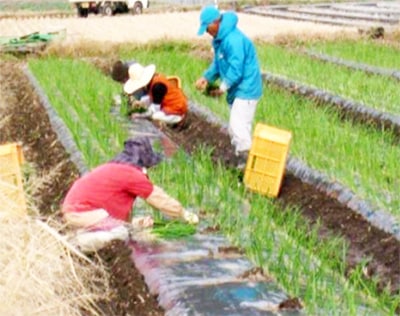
(112, 187)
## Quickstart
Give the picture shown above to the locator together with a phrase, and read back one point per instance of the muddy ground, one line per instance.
(24, 119)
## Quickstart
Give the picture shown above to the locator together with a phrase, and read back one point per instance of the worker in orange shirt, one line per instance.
(164, 101)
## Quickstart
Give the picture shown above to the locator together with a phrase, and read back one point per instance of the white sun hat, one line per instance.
(139, 76)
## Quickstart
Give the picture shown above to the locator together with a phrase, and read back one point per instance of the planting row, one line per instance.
(355, 65)
(268, 233)
(81, 106)
(355, 111)
(362, 15)
(375, 91)
(344, 151)
(376, 54)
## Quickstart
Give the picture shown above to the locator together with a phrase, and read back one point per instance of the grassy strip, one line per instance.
(88, 94)
(321, 138)
(367, 52)
(375, 91)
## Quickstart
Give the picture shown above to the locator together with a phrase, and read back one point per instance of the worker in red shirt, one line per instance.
(99, 204)
(164, 101)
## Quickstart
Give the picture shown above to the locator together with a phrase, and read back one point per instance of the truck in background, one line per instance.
(110, 7)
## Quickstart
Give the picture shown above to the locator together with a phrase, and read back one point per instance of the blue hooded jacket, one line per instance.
(235, 61)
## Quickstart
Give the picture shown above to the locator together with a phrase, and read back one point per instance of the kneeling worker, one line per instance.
(99, 204)
(164, 101)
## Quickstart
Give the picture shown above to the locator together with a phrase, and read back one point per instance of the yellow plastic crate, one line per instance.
(266, 162)
(12, 197)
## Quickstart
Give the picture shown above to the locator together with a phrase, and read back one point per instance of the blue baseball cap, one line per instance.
(208, 15)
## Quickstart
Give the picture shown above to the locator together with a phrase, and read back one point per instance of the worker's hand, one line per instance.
(216, 92)
(135, 115)
(141, 222)
(190, 217)
(201, 84)
(138, 104)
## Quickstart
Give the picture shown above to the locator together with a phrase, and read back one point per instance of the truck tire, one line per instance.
(122, 8)
(107, 10)
(137, 8)
(82, 12)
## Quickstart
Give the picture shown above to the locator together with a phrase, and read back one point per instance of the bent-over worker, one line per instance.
(164, 101)
(99, 204)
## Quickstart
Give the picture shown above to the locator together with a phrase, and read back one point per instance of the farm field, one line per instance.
(313, 72)
(369, 268)
(367, 52)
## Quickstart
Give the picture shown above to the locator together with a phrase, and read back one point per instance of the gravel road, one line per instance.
(153, 26)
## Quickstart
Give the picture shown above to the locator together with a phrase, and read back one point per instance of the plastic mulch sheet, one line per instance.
(196, 276)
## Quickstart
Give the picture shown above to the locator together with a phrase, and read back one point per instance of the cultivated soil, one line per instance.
(24, 119)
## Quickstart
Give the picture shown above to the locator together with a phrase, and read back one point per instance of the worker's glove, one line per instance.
(190, 217)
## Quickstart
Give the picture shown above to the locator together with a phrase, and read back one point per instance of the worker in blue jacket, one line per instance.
(236, 65)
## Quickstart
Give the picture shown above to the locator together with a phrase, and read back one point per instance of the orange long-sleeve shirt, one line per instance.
(174, 101)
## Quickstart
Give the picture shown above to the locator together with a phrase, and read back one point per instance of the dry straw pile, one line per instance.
(41, 274)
